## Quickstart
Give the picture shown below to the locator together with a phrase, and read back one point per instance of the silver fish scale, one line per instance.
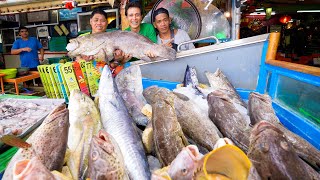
(117, 122)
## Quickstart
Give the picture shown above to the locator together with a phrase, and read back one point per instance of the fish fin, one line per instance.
(14, 141)
(181, 96)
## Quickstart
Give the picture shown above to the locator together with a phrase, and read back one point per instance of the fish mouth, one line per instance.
(73, 45)
(263, 97)
(59, 111)
(262, 126)
(193, 152)
(104, 141)
(21, 167)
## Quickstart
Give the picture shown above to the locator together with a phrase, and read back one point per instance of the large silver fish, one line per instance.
(48, 142)
(260, 108)
(118, 123)
(129, 83)
(102, 46)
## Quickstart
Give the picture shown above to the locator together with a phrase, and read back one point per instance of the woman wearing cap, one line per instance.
(170, 37)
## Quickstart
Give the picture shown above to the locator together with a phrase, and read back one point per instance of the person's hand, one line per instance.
(87, 58)
(150, 54)
(26, 49)
(41, 59)
(169, 43)
(121, 57)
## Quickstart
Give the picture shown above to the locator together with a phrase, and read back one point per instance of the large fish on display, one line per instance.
(231, 122)
(195, 124)
(119, 124)
(273, 156)
(129, 83)
(84, 118)
(105, 159)
(102, 46)
(48, 142)
(260, 108)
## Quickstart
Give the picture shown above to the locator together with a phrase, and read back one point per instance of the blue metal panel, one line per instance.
(307, 78)
(263, 74)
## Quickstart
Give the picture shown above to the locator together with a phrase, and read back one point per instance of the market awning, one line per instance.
(19, 6)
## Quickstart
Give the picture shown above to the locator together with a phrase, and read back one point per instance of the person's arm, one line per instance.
(41, 54)
(18, 51)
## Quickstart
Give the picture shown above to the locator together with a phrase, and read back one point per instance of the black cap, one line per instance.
(159, 11)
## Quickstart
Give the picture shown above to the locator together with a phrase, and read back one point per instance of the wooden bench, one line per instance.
(32, 75)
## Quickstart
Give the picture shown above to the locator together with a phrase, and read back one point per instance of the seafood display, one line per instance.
(129, 132)
(18, 115)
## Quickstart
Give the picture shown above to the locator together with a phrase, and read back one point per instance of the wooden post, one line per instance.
(273, 45)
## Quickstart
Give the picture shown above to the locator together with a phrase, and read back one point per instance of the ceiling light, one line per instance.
(302, 11)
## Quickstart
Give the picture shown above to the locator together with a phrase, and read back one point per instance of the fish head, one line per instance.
(104, 157)
(226, 162)
(265, 138)
(81, 103)
(60, 113)
(186, 162)
(30, 169)
(154, 93)
(262, 98)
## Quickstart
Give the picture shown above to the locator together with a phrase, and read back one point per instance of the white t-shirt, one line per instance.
(180, 37)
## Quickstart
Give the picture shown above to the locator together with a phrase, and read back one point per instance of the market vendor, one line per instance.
(27, 47)
(170, 37)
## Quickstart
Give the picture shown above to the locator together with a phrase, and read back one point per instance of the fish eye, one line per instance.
(264, 147)
(284, 145)
(94, 155)
(184, 171)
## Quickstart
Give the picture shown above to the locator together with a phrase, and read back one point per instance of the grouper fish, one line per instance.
(48, 142)
(105, 159)
(260, 108)
(273, 156)
(102, 46)
(119, 124)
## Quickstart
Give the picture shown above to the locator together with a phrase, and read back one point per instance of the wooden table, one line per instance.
(22, 79)
(1, 82)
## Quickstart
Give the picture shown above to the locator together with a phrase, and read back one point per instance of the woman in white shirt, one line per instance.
(170, 37)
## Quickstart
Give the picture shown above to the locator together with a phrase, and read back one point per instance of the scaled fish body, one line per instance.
(260, 108)
(273, 156)
(102, 46)
(118, 123)
(231, 123)
(129, 83)
(49, 142)
(85, 122)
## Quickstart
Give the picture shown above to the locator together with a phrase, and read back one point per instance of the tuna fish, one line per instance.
(218, 80)
(85, 122)
(231, 123)
(193, 122)
(260, 108)
(129, 83)
(118, 123)
(273, 156)
(102, 46)
(31, 170)
(106, 161)
(49, 142)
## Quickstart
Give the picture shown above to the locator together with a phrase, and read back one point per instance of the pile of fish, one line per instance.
(194, 132)
(17, 116)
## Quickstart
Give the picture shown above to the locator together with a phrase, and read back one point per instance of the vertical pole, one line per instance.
(273, 45)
